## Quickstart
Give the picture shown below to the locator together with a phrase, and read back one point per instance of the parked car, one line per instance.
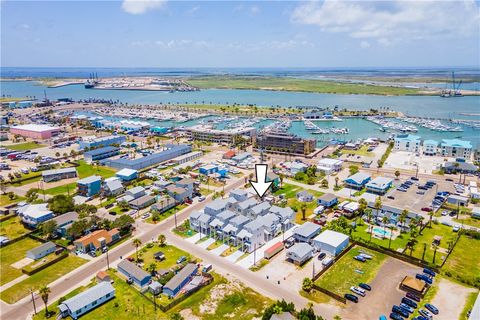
(429, 272)
(426, 209)
(413, 296)
(414, 178)
(201, 198)
(289, 242)
(181, 259)
(400, 311)
(360, 258)
(406, 307)
(391, 197)
(358, 291)
(402, 189)
(445, 213)
(365, 286)
(322, 255)
(395, 316)
(426, 314)
(409, 302)
(420, 318)
(456, 228)
(449, 179)
(432, 308)
(420, 192)
(424, 278)
(351, 297)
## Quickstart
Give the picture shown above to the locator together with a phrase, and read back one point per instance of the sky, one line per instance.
(160, 33)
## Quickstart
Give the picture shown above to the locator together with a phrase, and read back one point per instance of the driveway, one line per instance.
(206, 243)
(218, 251)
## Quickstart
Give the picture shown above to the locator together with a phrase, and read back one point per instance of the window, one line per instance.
(94, 303)
(108, 295)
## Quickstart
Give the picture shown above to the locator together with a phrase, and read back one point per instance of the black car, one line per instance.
(413, 296)
(322, 255)
(351, 297)
(414, 178)
(449, 179)
(400, 311)
(409, 302)
(391, 197)
(365, 286)
(395, 316)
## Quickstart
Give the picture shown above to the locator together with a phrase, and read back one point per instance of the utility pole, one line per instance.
(108, 262)
(33, 301)
(255, 254)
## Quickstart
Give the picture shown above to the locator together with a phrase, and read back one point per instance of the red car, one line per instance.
(427, 209)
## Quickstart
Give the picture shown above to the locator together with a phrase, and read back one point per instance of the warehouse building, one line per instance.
(101, 142)
(35, 131)
(101, 153)
(59, 174)
(171, 151)
(331, 242)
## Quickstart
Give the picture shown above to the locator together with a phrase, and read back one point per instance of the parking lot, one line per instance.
(385, 291)
(415, 199)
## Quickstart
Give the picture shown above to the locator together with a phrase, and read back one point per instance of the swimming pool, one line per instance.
(381, 232)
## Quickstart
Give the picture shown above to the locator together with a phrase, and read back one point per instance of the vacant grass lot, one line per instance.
(11, 254)
(69, 188)
(363, 151)
(171, 256)
(344, 273)
(41, 278)
(25, 146)
(292, 84)
(85, 170)
(469, 221)
(463, 263)
(5, 200)
(166, 214)
(12, 228)
(426, 239)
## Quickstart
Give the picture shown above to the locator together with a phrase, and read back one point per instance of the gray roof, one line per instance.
(304, 193)
(219, 204)
(268, 219)
(89, 179)
(66, 218)
(358, 177)
(327, 197)
(100, 151)
(248, 203)
(226, 215)
(196, 214)
(155, 285)
(301, 249)
(239, 220)
(254, 225)
(282, 316)
(136, 190)
(239, 192)
(88, 296)
(285, 213)
(41, 248)
(307, 229)
(113, 185)
(464, 166)
(133, 270)
(58, 171)
(205, 218)
(180, 276)
(142, 200)
(243, 233)
(260, 207)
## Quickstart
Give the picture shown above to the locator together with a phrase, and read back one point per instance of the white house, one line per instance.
(407, 142)
(87, 300)
(329, 166)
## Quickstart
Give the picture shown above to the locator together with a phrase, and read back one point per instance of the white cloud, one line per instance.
(173, 44)
(364, 44)
(392, 21)
(254, 10)
(141, 6)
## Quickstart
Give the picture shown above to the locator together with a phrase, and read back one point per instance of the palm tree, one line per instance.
(403, 218)
(435, 248)
(162, 240)
(377, 206)
(281, 176)
(152, 268)
(397, 174)
(336, 182)
(384, 221)
(303, 208)
(431, 216)
(136, 243)
(391, 233)
(44, 292)
(307, 284)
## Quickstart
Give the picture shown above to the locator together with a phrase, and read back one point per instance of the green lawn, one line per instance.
(361, 231)
(288, 190)
(41, 278)
(472, 297)
(342, 275)
(171, 256)
(25, 146)
(12, 228)
(205, 191)
(31, 177)
(363, 151)
(468, 220)
(427, 238)
(463, 263)
(85, 170)
(166, 214)
(65, 189)
(11, 254)
(5, 200)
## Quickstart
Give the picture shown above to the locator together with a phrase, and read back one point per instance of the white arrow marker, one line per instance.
(261, 185)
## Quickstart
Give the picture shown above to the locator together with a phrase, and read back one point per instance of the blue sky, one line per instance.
(159, 33)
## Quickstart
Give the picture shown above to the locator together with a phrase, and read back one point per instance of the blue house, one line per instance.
(139, 276)
(89, 186)
(87, 300)
(208, 169)
(172, 287)
(358, 180)
(328, 200)
(379, 185)
(127, 174)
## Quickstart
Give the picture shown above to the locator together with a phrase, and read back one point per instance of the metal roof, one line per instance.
(90, 179)
(331, 238)
(177, 280)
(41, 248)
(133, 270)
(99, 151)
(87, 297)
(58, 171)
(307, 229)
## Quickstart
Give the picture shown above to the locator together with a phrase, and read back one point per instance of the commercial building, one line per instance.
(455, 148)
(87, 300)
(35, 131)
(101, 142)
(59, 174)
(89, 186)
(187, 157)
(230, 136)
(329, 166)
(41, 251)
(300, 253)
(139, 276)
(172, 287)
(407, 142)
(331, 242)
(96, 240)
(430, 147)
(34, 214)
(379, 185)
(208, 169)
(127, 174)
(457, 200)
(358, 180)
(100, 153)
(459, 167)
(285, 143)
(171, 151)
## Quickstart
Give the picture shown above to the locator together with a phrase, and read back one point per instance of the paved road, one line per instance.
(60, 287)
